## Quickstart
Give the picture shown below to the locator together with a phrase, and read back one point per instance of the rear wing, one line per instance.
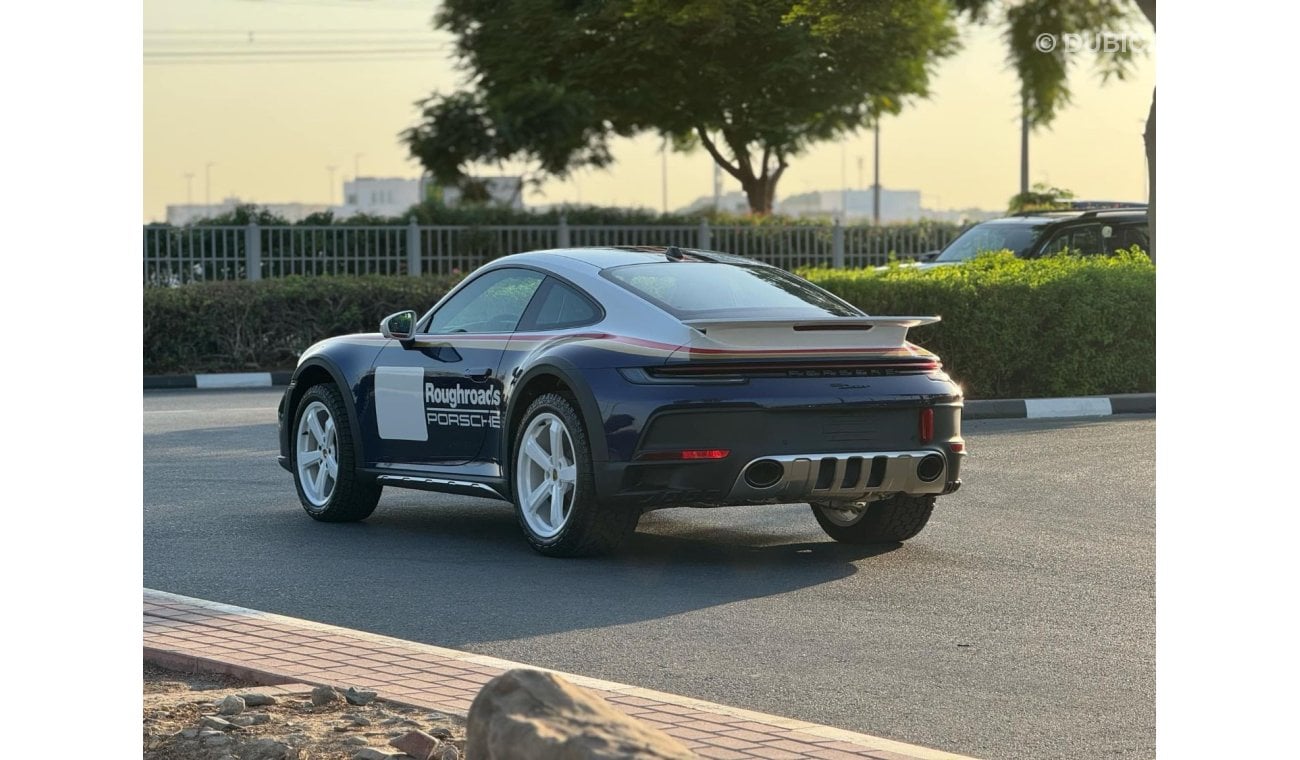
(830, 332)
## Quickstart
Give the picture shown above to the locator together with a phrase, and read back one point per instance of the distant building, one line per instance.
(502, 191)
(187, 213)
(855, 205)
(379, 196)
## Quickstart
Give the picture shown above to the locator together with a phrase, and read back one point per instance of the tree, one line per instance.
(1044, 73)
(754, 82)
(1040, 198)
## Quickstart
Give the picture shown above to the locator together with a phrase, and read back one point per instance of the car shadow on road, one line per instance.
(451, 570)
(460, 575)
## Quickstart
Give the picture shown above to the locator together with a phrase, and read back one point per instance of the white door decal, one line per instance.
(399, 403)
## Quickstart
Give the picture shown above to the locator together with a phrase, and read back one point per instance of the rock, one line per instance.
(217, 739)
(256, 699)
(527, 714)
(440, 733)
(356, 741)
(325, 695)
(377, 753)
(360, 720)
(190, 733)
(268, 749)
(250, 719)
(231, 705)
(212, 721)
(355, 696)
(417, 744)
(449, 753)
(391, 721)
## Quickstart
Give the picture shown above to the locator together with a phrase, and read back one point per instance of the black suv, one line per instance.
(1039, 233)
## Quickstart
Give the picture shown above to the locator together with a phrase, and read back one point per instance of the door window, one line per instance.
(492, 303)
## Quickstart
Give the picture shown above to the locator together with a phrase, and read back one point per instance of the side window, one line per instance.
(561, 306)
(1087, 240)
(1058, 244)
(1127, 237)
(492, 303)
(1077, 240)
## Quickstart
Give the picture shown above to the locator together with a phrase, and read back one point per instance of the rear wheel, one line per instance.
(324, 460)
(554, 485)
(896, 518)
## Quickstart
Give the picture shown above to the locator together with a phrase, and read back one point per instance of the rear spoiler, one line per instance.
(830, 332)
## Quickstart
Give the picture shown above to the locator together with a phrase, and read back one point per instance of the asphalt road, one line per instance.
(1020, 624)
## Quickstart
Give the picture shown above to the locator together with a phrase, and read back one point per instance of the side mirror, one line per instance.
(399, 326)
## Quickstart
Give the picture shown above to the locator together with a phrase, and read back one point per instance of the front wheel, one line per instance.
(555, 488)
(324, 460)
(890, 520)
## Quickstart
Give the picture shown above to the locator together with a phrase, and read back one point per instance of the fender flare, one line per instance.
(349, 400)
(587, 407)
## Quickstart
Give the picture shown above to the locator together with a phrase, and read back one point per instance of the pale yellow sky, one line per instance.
(271, 129)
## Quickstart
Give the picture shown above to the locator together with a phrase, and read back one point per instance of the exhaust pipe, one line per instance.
(929, 468)
(764, 473)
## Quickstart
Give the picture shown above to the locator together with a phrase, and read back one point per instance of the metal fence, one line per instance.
(177, 255)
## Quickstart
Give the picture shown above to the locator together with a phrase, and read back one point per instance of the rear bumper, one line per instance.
(850, 476)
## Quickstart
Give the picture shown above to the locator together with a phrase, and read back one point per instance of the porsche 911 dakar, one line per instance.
(589, 386)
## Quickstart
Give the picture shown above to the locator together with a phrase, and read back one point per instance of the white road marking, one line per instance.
(1067, 407)
(234, 380)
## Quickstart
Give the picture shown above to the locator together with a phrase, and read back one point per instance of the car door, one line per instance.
(438, 395)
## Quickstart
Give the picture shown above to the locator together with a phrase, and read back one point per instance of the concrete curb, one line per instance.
(1041, 408)
(976, 409)
(188, 633)
(209, 381)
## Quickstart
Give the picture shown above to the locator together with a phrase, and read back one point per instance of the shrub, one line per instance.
(1058, 326)
(243, 326)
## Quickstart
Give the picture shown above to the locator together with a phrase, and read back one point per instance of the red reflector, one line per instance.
(705, 453)
(658, 456)
(957, 446)
(927, 424)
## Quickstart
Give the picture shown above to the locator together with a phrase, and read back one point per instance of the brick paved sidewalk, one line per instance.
(273, 649)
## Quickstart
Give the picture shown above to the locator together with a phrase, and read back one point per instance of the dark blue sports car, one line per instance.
(588, 386)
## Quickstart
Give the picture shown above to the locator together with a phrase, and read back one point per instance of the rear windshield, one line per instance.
(696, 290)
(999, 236)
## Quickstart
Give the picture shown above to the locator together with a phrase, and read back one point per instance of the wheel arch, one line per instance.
(317, 371)
(547, 378)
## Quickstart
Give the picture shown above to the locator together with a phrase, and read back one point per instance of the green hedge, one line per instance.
(1061, 326)
(238, 326)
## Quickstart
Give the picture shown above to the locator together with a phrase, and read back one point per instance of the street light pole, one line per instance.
(844, 183)
(663, 171)
(875, 180)
(1024, 143)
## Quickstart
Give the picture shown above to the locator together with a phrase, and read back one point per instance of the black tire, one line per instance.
(590, 529)
(353, 498)
(897, 518)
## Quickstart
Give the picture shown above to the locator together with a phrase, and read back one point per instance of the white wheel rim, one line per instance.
(546, 475)
(318, 464)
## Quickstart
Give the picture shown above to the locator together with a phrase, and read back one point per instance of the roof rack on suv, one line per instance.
(1083, 213)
